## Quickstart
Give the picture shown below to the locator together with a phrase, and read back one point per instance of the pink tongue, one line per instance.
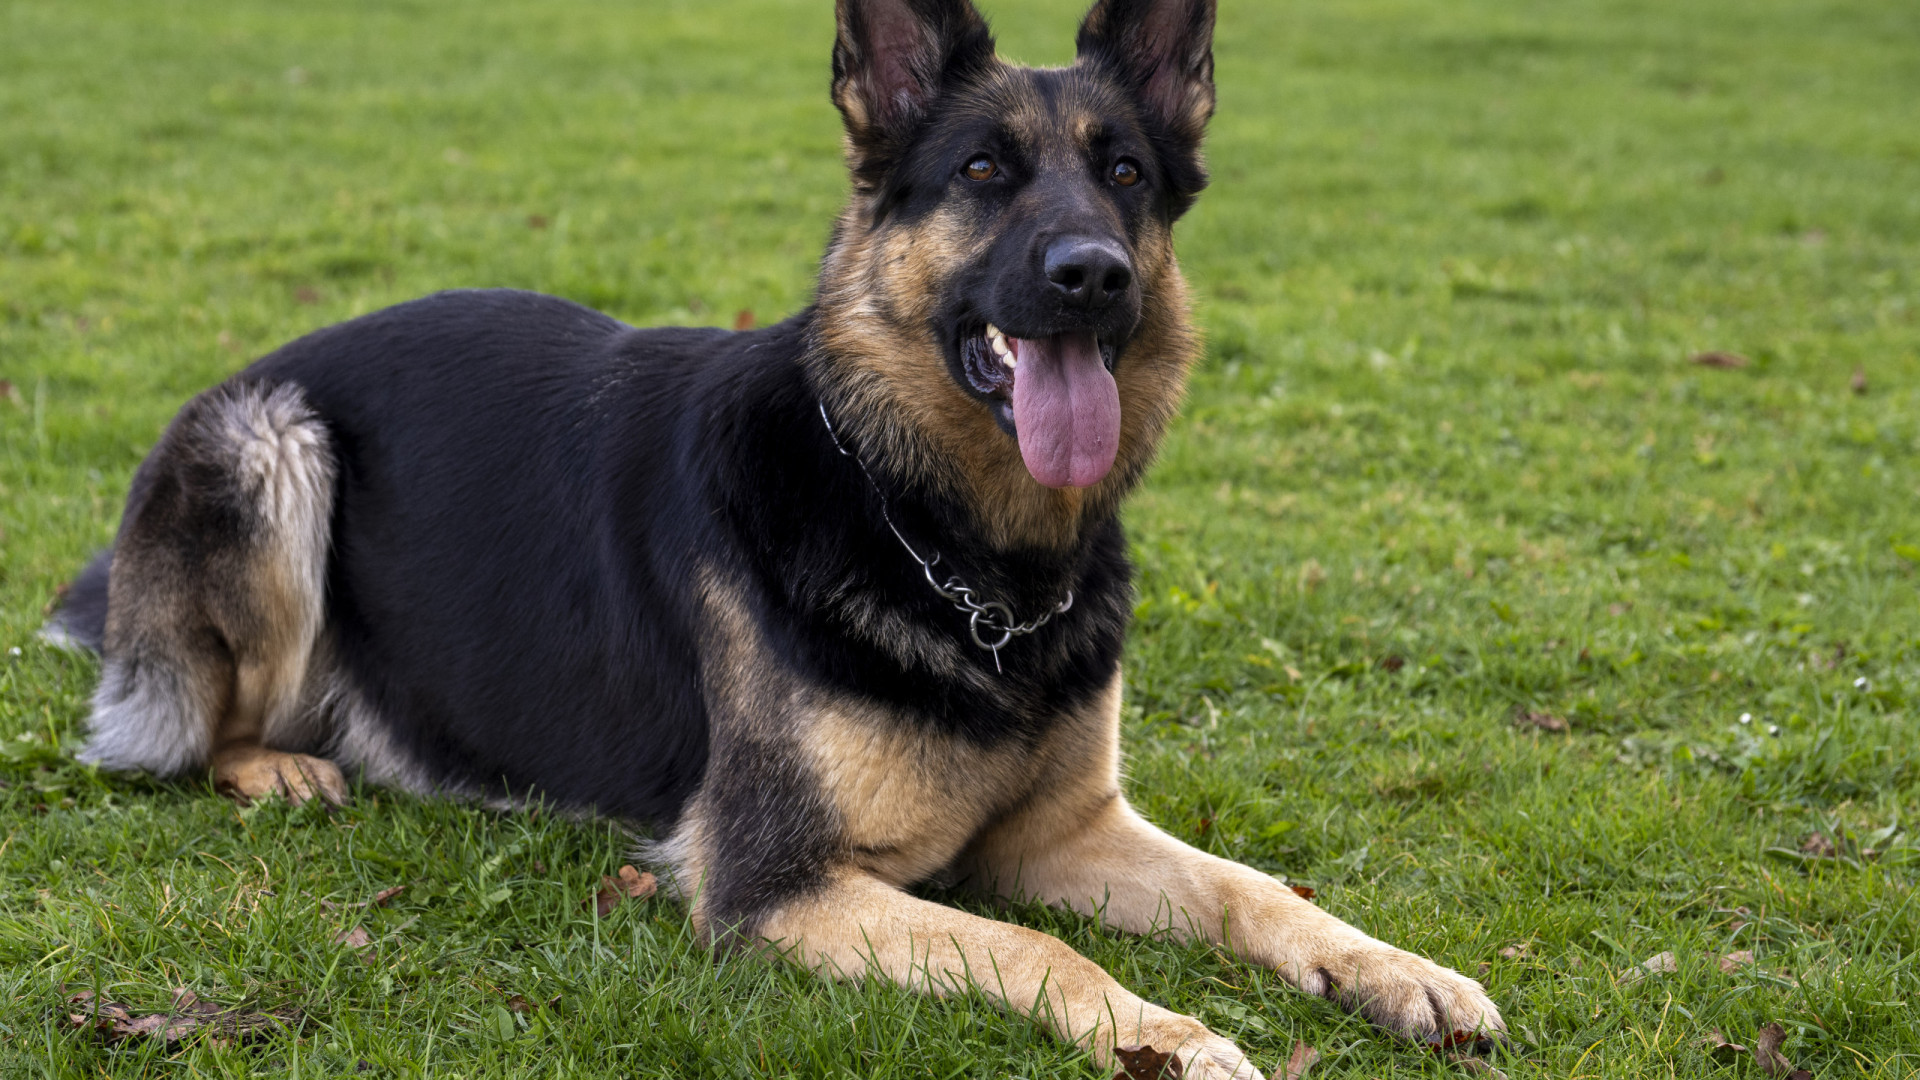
(1066, 409)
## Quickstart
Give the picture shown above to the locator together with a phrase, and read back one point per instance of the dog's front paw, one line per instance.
(1200, 1054)
(1408, 995)
(244, 774)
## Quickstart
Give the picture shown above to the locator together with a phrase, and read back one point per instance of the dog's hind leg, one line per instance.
(216, 598)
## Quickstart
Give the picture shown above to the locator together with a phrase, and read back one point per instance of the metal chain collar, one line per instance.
(989, 616)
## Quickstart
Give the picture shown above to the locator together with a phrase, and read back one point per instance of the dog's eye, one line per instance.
(981, 169)
(1126, 172)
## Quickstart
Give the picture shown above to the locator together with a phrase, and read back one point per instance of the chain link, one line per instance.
(991, 616)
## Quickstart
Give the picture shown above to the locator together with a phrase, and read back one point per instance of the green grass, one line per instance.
(1446, 461)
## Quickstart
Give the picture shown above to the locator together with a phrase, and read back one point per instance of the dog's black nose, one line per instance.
(1089, 273)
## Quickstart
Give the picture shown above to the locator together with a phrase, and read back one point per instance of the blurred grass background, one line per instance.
(1448, 464)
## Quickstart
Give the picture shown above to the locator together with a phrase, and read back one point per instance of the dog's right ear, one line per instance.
(890, 61)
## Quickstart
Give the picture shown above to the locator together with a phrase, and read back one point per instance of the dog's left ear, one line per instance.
(891, 60)
(1163, 49)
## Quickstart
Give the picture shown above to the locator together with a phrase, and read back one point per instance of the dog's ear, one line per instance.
(1163, 49)
(891, 60)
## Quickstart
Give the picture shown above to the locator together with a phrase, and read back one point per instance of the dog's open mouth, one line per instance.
(1058, 394)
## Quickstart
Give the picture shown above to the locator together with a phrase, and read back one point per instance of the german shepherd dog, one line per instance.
(836, 605)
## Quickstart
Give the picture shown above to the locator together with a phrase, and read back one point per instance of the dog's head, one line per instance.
(1003, 279)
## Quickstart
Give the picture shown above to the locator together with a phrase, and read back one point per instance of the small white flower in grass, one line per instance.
(15, 651)
(1773, 730)
(1861, 684)
(1746, 718)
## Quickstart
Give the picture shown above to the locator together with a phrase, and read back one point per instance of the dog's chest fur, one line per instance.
(909, 800)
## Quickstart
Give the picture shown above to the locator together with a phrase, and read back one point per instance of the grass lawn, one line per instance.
(1447, 465)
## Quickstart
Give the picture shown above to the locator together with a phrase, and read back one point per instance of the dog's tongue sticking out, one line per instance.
(1066, 409)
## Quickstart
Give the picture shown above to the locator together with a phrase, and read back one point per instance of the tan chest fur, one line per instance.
(910, 801)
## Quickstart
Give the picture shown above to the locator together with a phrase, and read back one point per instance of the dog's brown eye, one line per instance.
(1125, 172)
(981, 168)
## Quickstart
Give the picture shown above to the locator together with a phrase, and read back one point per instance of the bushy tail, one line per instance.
(80, 622)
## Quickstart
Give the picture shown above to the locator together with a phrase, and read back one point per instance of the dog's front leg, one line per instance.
(1086, 849)
(857, 925)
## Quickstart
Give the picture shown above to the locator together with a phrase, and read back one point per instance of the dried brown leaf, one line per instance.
(519, 1004)
(1393, 662)
(1859, 381)
(537, 221)
(607, 898)
(306, 294)
(384, 896)
(1734, 961)
(1819, 845)
(1304, 1058)
(1519, 950)
(1766, 1050)
(1540, 720)
(1452, 1040)
(636, 884)
(1722, 360)
(1720, 1046)
(188, 1003)
(1303, 892)
(12, 394)
(115, 1022)
(1145, 1063)
(744, 319)
(1658, 964)
(355, 938)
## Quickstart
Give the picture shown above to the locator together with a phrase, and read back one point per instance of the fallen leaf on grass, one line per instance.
(12, 394)
(1455, 1039)
(1303, 892)
(1719, 1045)
(355, 938)
(1304, 1058)
(1734, 961)
(1725, 361)
(1145, 1063)
(1819, 846)
(1859, 381)
(1393, 662)
(631, 884)
(1540, 720)
(1517, 951)
(1659, 964)
(1766, 1051)
(637, 884)
(606, 899)
(115, 1022)
(743, 320)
